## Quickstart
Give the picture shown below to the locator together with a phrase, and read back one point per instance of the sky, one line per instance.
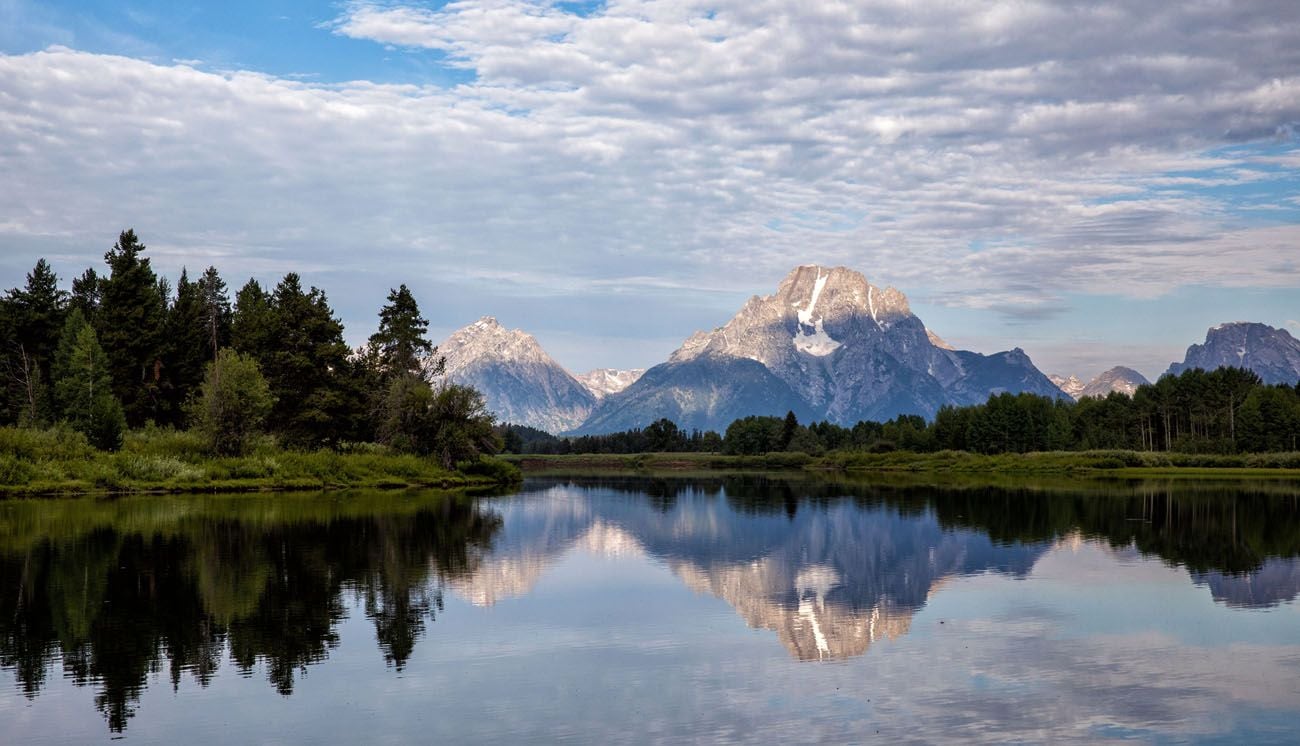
(1096, 183)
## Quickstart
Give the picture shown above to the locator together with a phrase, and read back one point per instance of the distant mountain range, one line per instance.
(827, 345)
(1119, 378)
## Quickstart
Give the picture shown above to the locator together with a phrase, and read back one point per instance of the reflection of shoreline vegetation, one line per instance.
(262, 576)
(1207, 526)
(1072, 463)
(60, 461)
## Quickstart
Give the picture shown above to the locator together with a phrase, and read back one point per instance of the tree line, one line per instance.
(1228, 410)
(125, 348)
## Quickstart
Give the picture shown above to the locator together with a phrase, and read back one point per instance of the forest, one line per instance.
(123, 349)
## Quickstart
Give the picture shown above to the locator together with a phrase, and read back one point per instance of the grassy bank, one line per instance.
(34, 462)
(679, 463)
(1100, 463)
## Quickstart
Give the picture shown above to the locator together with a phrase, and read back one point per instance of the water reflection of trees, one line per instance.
(1230, 528)
(116, 605)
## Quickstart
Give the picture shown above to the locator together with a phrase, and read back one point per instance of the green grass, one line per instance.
(1118, 463)
(1071, 463)
(653, 463)
(60, 461)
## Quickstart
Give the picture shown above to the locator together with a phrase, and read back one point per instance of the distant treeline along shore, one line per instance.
(1223, 411)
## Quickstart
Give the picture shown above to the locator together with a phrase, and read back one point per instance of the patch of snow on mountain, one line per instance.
(817, 343)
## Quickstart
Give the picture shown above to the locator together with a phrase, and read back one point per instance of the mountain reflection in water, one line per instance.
(115, 591)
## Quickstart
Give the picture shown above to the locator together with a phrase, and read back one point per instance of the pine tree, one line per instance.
(132, 321)
(186, 350)
(61, 365)
(308, 366)
(35, 315)
(87, 292)
(215, 315)
(400, 344)
(86, 391)
(251, 327)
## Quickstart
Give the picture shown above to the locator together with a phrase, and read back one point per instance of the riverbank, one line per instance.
(55, 462)
(1097, 463)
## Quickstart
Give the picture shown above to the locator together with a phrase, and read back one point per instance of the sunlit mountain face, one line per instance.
(128, 596)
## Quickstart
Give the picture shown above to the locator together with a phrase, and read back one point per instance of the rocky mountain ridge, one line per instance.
(520, 382)
(1272, 353)
(827, 344)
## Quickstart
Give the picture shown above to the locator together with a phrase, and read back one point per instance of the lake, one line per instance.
(737, 608)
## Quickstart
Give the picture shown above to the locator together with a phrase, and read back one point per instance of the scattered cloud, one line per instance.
(1082, 147)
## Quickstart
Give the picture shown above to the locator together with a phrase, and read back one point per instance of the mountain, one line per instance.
(1119, 378)
(1272, 353)
(827, 345)
(605, 381)
(1072, 385)
(521, 383)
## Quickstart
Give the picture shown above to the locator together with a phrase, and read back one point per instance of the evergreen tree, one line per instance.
(252, 325)
(86, 391)
(307, 368)
(132, 321)
(186, 348)
(215, 315)
(40, 307)
(87, 292)
(399, 345)
(61, 366)
(788, 429)
(35, 315)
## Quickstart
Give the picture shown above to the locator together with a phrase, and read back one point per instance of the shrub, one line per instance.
(233, 401)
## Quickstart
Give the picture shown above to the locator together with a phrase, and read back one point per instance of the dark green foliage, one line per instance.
(450, 423)
(252, 326)
(306, 363)
(215, 316)
(399, 345)
(754, 435)
(232, 404)
(85, 393)
(185, 350)
(132, 318)
(30, 320)
(87, 292)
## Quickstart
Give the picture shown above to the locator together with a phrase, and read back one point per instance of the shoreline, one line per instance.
(1086, 464)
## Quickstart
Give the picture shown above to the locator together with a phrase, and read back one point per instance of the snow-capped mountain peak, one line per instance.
(521, 383)
(1121, 379)
(605, 381)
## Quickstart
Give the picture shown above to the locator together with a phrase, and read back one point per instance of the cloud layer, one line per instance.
(983, 155)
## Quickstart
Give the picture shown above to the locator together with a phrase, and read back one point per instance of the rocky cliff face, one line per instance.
(1272, 353)
(828, 344)
(521, 383)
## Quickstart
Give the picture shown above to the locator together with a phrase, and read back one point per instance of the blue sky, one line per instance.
(1097, 184)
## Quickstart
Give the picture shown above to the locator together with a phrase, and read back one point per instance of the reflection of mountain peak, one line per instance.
(805, 576)
(813, 628)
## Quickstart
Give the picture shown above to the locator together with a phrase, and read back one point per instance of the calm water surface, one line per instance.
(735, 609)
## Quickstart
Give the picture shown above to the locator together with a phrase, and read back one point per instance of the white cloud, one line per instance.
(668, 138)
